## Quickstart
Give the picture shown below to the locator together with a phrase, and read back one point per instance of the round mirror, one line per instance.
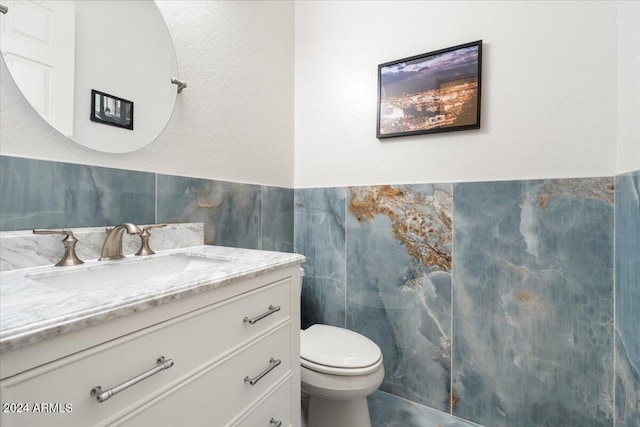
(98, 71)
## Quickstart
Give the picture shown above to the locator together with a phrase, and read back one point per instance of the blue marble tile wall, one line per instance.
(319, 228)
(45, 194)
(533, 302)
(399, 284)
(490, 301)
(627, 333)
(387, 410)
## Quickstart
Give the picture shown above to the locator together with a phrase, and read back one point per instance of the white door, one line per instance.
(38, 44)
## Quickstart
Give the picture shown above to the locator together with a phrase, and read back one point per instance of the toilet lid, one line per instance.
(338, 348)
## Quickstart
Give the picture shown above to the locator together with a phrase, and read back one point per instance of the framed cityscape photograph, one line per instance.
(111, 110)
(430, 93)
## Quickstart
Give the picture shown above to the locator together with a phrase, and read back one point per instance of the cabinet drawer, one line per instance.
(218, 394)
(192, 341)
(276, 406)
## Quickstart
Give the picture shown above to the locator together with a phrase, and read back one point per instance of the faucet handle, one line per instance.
(52, 231)
(148, 227)
(69, 258)
(145, 249)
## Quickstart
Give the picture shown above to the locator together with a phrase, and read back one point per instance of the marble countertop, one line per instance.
(31, 311)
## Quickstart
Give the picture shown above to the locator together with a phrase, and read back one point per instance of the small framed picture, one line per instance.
(429, 93)
(111, 110)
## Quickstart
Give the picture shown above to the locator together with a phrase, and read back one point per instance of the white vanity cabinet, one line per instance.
(233, 351)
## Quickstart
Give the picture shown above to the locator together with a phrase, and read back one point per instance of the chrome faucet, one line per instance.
(112, 248)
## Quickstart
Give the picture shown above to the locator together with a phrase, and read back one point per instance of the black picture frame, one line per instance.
(434, 92)
(111, 110)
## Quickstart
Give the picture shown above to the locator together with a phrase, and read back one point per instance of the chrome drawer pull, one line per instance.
(102, 396)
(273, 363)
(272, 309)
(275, 423)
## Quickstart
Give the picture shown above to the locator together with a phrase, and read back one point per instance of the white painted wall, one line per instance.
(549, 107)
(628, 86)
(235, 120)
(549, 93)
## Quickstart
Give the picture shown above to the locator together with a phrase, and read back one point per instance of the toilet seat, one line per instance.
(340, 371)
(337, 351)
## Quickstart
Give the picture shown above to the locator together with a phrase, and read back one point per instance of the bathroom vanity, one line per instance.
(202, 336)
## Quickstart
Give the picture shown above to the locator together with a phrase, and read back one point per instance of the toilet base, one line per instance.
(338, 413)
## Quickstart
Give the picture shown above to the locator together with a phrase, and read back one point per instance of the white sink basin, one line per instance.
(125, 272)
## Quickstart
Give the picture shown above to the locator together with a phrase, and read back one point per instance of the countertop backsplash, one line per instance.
(23, 249)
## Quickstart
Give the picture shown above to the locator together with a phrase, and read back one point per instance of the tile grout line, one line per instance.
(345, 258)
(155, 208)
(452, 303)
(261, 217)
(615, 272)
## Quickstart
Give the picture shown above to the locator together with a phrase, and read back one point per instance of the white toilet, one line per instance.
(339, 369)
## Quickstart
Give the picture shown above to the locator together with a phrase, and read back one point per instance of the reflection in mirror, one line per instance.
(58, 52)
